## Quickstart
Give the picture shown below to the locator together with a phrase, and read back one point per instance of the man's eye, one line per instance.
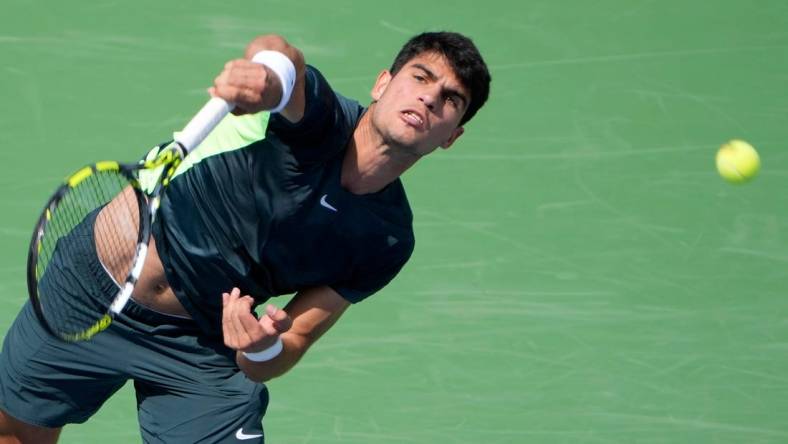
(418, 77)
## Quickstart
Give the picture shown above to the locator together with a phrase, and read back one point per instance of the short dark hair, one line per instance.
(464, 58)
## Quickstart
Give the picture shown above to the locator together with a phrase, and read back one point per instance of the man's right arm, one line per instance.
(255, 87)
(303, 321)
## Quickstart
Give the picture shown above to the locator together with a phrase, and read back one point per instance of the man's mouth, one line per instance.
(413, 119)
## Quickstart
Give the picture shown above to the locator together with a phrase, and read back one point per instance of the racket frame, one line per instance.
(143, 236)
(169, 157)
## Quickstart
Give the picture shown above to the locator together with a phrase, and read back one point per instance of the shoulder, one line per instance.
(327, 124)
(324, 109)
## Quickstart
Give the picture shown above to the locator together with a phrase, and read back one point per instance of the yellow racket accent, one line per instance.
(166, 156)
(107, 165)
(91, 331)
(38, 270)
(79, 176)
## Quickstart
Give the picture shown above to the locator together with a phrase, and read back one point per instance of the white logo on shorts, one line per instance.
(240, 435)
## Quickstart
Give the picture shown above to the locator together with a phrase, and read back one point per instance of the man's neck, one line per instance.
(370, 163)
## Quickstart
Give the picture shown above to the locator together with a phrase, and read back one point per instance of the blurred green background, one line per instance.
(581, 275)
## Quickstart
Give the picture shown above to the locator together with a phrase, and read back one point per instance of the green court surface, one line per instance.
(581, 275)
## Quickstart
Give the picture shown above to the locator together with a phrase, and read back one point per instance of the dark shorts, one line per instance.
(189, 388)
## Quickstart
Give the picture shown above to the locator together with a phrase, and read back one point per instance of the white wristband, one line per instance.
(284, 69)
(267, 354)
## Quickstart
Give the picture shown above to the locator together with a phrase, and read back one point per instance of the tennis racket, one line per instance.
(121, 201)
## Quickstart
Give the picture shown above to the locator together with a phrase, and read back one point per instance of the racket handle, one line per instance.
(203, 123)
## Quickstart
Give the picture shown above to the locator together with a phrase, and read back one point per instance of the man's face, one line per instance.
(420, 108)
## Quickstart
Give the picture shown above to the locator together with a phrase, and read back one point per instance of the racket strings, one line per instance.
(117, 232)
(97, 217)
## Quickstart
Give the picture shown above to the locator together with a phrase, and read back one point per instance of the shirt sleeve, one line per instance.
(325, 126)
(375, 275)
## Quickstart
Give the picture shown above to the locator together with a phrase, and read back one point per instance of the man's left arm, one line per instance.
(308, 315)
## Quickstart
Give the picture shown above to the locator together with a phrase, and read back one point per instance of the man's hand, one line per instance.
(243, 331)
(254, 87)
(251, 86)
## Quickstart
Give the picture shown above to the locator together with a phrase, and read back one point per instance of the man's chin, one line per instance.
(413, 149)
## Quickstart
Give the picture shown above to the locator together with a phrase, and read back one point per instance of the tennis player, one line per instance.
(307, 201)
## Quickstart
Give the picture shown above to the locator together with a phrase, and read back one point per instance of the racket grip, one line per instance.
(203, 123)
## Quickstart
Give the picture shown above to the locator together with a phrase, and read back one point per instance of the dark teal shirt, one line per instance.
(271, 217)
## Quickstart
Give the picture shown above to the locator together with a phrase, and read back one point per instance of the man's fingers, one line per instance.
(267, 325)
(276, 313)
(244, 322)
(242, 82)
(272, 311)
(281, 320)
(236, 306)
(249, 324)
(246, 100)
(228, 328)
(235, 335)
(242, 330)
(225, 321)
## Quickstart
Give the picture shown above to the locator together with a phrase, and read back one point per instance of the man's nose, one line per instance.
(428, 98)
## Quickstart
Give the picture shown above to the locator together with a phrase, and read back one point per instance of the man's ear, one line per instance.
(454, 136)
(380, 85)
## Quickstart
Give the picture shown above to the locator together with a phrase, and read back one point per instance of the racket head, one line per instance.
(99, 214)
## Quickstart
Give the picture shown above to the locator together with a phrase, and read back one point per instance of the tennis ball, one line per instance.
(737, 161)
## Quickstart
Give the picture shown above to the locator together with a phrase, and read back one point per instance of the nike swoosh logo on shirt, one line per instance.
(240, 435)
(326, 204)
